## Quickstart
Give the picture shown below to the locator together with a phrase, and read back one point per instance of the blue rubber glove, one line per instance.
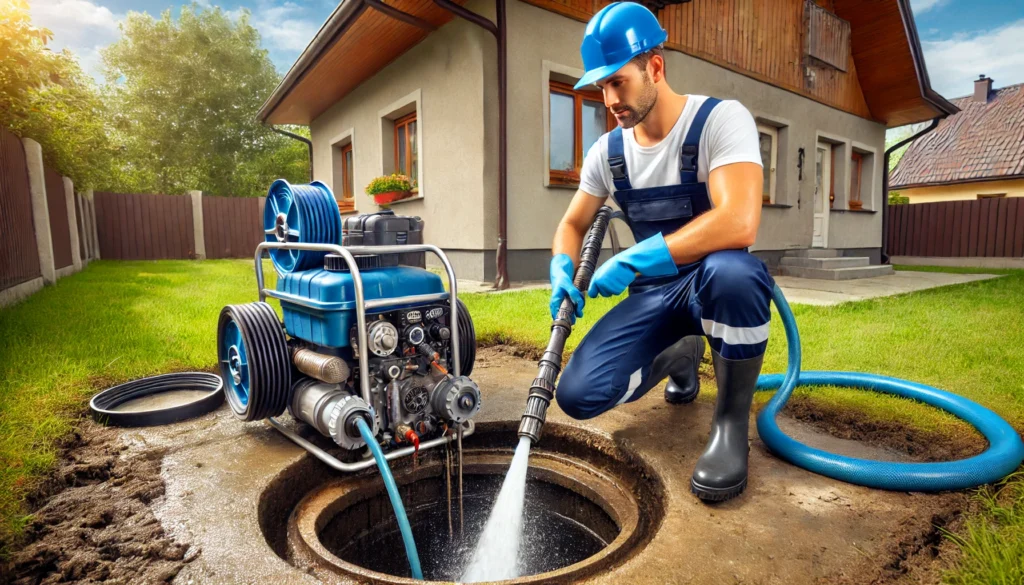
(562, 286)
(650, 257)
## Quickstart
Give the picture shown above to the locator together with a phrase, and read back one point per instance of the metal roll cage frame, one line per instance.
(348, 253)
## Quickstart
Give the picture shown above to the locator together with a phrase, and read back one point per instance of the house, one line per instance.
(977, 153)
(415, 86)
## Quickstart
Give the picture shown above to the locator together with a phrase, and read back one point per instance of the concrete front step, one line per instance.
(844, 262)
(813, 253)
(837, 273)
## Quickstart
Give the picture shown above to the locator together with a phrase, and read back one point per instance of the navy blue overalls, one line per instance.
(723, 296)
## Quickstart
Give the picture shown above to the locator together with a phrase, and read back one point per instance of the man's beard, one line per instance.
(644, 104)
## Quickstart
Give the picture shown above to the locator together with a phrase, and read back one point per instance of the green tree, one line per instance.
(184, 93)
(46, 96)
(25, 62)
(69, 120)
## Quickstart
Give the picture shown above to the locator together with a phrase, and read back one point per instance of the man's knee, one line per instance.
(579, 394)
(571, 397)
(734, 276)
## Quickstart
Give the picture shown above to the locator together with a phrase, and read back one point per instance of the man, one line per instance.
(686, 171)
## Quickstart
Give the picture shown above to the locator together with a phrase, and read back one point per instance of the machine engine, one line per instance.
(414, 394)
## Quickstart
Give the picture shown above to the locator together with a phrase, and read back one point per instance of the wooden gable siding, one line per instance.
(878, 36)
(763, 39)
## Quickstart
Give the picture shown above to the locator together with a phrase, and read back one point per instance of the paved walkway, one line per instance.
(806, 291)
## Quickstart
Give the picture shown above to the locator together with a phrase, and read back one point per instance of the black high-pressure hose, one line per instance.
(543, 388)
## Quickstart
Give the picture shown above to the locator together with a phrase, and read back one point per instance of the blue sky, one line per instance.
(961, 38)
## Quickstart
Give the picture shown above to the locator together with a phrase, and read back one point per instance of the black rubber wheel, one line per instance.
(254, 361)
(467, 340)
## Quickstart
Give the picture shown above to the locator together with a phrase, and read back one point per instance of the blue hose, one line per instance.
(1004, 455)
(396, 499)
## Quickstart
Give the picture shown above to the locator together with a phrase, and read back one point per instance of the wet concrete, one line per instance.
(790, 526)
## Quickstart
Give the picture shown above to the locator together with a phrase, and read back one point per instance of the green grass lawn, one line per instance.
(112, 322)
(121, 320)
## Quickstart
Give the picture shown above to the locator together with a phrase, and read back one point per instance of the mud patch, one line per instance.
(97, 526)
(919, 551)
(851, 424)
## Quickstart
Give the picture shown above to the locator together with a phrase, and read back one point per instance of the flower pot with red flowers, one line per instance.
(390, 188)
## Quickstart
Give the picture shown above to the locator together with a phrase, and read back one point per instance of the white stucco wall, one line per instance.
(452, 78)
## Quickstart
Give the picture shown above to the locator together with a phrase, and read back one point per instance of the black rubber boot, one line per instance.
(681, 362)
(721, 472)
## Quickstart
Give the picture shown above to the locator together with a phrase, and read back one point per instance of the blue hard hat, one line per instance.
(616, 34)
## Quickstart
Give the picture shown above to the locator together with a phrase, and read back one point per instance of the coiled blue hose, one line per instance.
(1004, 455)
(396, 498)
(306, 214)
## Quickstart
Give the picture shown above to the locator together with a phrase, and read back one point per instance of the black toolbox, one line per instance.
(384, 228)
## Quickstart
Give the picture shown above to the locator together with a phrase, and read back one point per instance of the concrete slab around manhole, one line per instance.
(810, 291)
(790, 526)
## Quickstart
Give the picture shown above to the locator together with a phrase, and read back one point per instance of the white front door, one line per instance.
(822, 183)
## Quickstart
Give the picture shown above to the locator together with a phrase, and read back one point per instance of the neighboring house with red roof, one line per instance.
(974, 154)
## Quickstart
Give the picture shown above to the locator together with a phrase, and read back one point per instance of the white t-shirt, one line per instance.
(730, 136)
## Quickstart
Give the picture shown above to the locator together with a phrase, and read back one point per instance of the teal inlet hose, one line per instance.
(1004, 454)
(396, 499)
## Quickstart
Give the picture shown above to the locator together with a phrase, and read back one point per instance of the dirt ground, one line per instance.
(98, 526)
(120, 512)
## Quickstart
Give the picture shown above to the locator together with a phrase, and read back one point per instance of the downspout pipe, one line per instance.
(303, 139)
(885, 183)
(498, 30)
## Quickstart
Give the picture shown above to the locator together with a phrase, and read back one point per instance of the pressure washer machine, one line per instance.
(368, 332)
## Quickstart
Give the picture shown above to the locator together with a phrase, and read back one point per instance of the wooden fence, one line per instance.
(19, 255)
(154, 227)
(232, 226)
(144, 227)
(984, 227)
(60, 229)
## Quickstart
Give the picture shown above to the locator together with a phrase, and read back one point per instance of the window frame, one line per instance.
(854, 199)
(348, 199)
(560, 177)
(773, 132)
(403, 122)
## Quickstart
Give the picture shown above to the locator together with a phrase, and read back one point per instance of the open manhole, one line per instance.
(590, 504)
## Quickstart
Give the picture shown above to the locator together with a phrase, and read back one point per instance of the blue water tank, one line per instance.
(331, 296)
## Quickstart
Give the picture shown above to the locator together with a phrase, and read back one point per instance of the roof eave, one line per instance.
(346, 12)
(942, 106)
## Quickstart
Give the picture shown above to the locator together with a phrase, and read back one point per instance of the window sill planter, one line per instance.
(390, 197)
(855, 205)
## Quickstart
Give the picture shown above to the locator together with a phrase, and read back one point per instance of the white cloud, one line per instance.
(79, 25)
(85, 27)
(954, 64)
(286, 29)
(922, 6)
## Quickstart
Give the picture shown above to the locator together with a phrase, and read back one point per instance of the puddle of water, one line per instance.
(162, 400)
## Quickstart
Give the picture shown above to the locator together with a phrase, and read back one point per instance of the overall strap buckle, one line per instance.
(617, 164)
(688, 158)
(688, 155)
(617, 160)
